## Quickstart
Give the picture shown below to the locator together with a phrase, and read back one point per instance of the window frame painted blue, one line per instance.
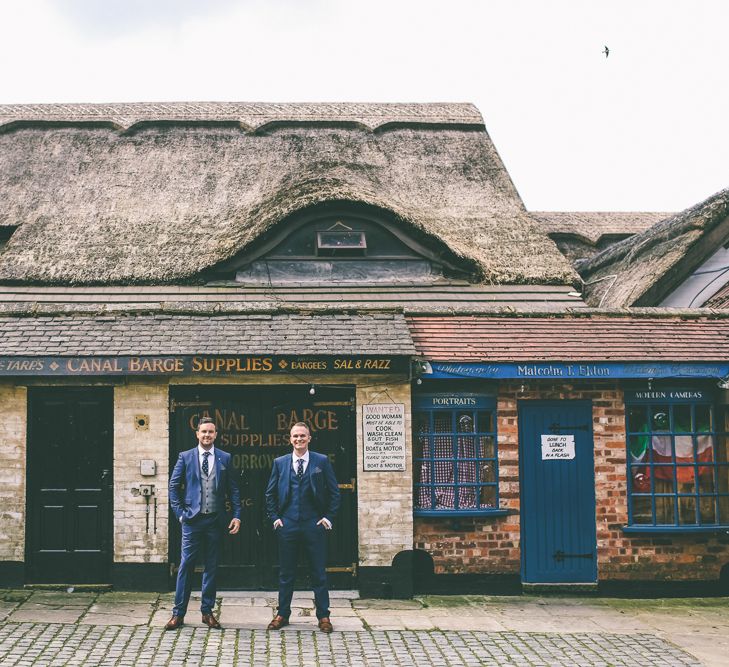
(671, 398)
(433, 403)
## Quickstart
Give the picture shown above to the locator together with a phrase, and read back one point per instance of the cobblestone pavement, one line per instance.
(65, 644)
(43, 627)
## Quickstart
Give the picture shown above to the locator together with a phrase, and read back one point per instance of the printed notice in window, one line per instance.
(558, 447)
(383, 428)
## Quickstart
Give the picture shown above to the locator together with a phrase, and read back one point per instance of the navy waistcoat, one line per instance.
(302, 505)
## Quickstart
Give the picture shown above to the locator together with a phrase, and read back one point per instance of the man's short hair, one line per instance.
(304, 424)
(205, 420)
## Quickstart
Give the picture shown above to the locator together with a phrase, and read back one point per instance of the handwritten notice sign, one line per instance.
(558, 447)
(383, 427)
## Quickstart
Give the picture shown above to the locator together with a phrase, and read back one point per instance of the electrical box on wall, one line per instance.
(148, 467)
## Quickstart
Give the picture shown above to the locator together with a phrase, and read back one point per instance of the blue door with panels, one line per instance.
(558, 535)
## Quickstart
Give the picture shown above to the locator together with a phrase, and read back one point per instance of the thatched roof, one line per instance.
(641, 270)
(592, 226)
(159, 193)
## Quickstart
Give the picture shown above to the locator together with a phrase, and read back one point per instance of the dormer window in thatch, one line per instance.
(341, 242)
(6, 231)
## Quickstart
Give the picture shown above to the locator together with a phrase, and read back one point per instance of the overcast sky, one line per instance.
(646, 128)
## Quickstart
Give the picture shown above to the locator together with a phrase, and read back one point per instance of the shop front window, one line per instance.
(456, 468)
(678, 472)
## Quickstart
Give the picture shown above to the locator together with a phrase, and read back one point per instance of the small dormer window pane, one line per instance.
(341, 239)
(340, 243)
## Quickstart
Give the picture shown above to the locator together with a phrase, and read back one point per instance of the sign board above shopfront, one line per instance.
(576, 370)
(204, 365)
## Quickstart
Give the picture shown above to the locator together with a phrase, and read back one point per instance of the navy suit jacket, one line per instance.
(321, 477)
(186, 487)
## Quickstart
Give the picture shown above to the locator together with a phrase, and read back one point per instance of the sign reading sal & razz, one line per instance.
(202, 365)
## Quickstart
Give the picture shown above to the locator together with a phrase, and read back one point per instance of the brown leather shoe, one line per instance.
(175, 622)
(211, 622)
(277, 623)
(325, 625)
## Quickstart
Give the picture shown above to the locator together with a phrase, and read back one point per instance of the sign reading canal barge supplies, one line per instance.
(383, 426)
(558, 447)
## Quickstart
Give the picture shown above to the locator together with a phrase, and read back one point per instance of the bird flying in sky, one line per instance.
(606, 51)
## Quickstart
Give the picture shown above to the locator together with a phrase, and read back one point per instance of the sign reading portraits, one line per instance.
(202, 365)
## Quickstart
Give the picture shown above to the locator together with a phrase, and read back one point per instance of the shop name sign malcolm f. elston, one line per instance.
(202, 365)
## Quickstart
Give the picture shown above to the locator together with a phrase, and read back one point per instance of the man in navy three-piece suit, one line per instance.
(200, 483)
(302, 499)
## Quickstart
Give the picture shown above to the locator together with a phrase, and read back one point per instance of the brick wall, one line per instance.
(484, 545)
(385, 499)
(13, 427)
(132, 542)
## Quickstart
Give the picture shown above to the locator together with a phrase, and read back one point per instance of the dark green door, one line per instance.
(253, 424)
(69, 496)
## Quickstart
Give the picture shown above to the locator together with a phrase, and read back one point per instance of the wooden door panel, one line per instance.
(559, 540)
(69, 495)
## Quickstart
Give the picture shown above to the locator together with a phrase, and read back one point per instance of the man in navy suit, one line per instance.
(199, 485)
(302, 499)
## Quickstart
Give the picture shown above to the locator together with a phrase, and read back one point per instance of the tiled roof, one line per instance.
(589, 339)
(384, 333)
(447, 296)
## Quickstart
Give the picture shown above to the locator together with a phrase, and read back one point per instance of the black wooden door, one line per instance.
(69, 496)
(253, 425)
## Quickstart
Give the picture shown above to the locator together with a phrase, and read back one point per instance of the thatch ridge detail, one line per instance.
(249, 116)
(591, 226)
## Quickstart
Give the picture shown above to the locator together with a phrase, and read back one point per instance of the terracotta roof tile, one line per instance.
(594, 339)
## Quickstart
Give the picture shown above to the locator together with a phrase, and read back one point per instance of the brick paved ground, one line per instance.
(72, 627)
(59, 644)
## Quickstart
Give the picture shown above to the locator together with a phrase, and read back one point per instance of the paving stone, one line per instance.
(342, 623)
(6, 608)
(459, 623)
(248, 617)
(39, 614)
(113, 618)
(386, 604)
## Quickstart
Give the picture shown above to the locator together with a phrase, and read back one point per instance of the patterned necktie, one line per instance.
(205, 467)
(300, 468)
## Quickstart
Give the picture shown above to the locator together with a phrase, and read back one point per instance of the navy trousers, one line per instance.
(201, 533)
(314, 541)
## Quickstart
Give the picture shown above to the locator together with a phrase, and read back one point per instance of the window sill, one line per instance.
(454, 514)
(674, 529)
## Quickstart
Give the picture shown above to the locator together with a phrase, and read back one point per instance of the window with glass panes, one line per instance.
(455, 461)
(678, 474)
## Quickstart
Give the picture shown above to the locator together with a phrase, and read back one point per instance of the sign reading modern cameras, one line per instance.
(558, 447)
(383, 428)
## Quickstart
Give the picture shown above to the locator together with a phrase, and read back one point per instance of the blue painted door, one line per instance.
(558, 535)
